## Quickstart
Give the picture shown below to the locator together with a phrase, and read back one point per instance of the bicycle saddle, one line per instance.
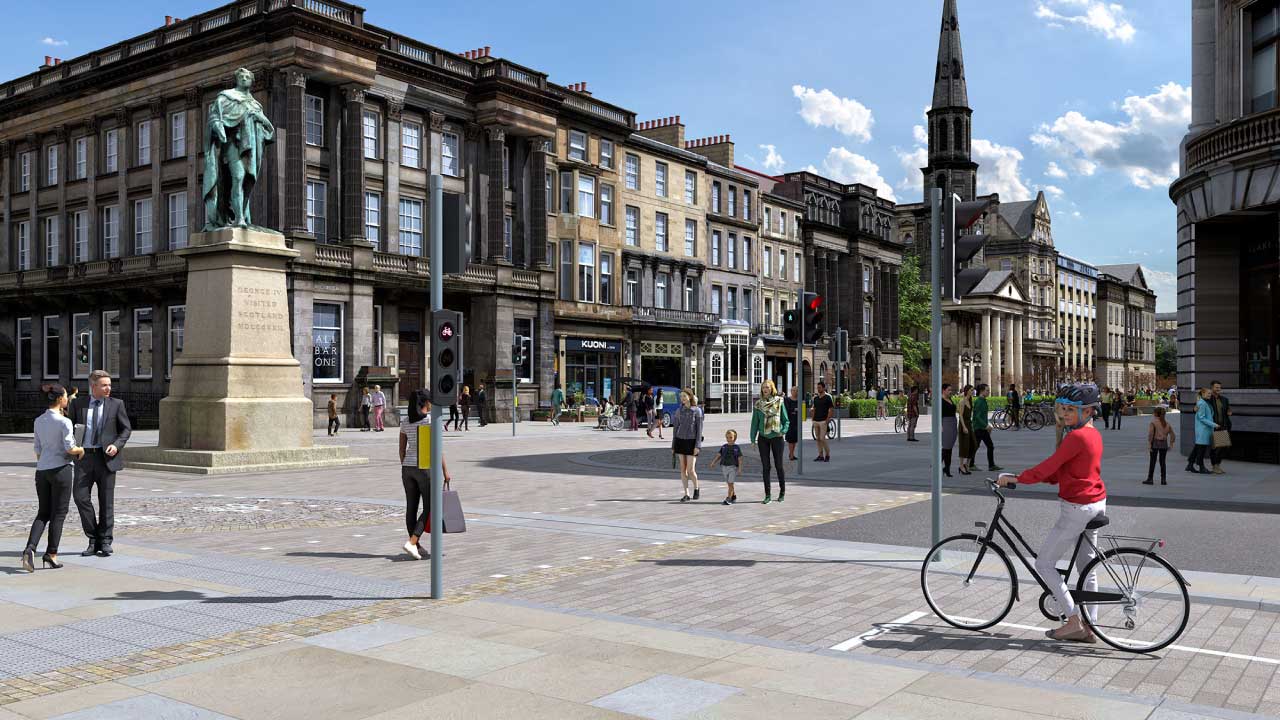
(1098, 522)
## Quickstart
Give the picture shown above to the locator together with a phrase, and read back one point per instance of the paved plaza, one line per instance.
(584, 589)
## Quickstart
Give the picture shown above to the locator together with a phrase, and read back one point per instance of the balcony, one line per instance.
(1258, 132)
(126, 271)
(668, 316)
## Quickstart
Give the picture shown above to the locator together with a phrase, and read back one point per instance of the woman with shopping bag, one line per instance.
(417, 481)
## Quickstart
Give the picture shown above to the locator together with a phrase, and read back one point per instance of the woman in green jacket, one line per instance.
(768, 427)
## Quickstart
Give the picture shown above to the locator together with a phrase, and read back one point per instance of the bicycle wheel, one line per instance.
(1033, 419)
(1000, 420)
(831, 430)
(899, 424)
(1141, 603)
(971, 585)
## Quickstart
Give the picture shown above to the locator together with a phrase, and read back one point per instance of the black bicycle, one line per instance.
(1131, 598)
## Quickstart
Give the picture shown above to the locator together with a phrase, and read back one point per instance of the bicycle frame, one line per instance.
(999, 524)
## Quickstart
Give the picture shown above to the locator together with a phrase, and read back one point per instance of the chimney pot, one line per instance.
(48, 60)
(57, 61)
(486, 51)
(677, 119)
(168, 20)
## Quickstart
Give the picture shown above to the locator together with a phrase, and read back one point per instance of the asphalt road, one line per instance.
(1207, 540)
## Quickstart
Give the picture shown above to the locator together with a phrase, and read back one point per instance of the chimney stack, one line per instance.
(168, 20)
(716, 148)
(667, 130)
(48, 62)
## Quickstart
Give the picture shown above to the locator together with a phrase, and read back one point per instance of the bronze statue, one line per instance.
(233, 142)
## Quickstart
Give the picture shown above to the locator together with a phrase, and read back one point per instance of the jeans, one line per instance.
(1119, 415)
(1159, 453)
(417, 489)
(772, 447)
(980, 437)
(911, 426)
(1072, 519)
(53, 488)
(364, 417)
(333, 425)
(1106, 416)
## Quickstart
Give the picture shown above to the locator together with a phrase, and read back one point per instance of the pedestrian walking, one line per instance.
(482, 404)
(107, 430)
(792, 407)
(379, 402)
(686, 442)
(913, 413)
(768, 428)
(453, 416)
(823, 411)
(557, 405)
(982, 427)
(949, 428)
(730, 461)
(1107, 399)
(1117, 408)
(1160, 438)
(646, 400)
(1014, 402)
(1222, 418)
(658, 412)
(333, 414)
(1204, 433)
(366, 404)
(632, 408)
(964, 423)
(417, 481)
(464, 402)
(55, 448)
(882, 401)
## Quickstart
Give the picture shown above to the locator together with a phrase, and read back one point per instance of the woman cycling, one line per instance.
(1076, 468)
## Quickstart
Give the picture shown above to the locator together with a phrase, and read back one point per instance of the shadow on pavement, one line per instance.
(352, 556)
(678, 562)
(923, 638)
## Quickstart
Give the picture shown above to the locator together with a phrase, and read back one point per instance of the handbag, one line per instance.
(1221, 439)
(455, 521)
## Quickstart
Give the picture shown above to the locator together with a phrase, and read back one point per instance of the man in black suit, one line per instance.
(482, 404)
(106, 430)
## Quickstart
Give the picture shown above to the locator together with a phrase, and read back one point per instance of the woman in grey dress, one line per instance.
(948, 428)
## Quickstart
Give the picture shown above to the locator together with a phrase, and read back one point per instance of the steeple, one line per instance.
(951, 165)
(949, 89)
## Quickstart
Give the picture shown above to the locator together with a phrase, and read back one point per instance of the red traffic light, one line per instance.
(815, 302)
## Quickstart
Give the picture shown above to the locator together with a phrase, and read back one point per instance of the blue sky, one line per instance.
(1084, 99)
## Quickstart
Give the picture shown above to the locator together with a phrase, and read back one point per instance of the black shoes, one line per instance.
(947, 473)
(105, 550)
(994, 468)
(48, 561)
(29, 561)
(1148, 481)
(782, 496)
(697, 493)
(91, 550)
(684, 499)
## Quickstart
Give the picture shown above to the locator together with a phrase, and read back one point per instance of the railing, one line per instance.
(1254, 132)
(136, 263)
(668, 315)
(455, 65)
(596, 108)
(526, 278)
(481, 273)
(414, 52)
(389, 262)
(333, 255)
(329, 10)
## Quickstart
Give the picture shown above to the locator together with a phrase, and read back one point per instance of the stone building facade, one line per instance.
(1077, 318)
(781, 257)
(1126, 339)
(1228, 252)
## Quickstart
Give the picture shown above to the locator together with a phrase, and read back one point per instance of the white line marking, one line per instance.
(544, 567)
(317, 542)
(876, 631)
(586, 557)
(266, 548)
(1181, 648)
(497, 576)
(623, 550)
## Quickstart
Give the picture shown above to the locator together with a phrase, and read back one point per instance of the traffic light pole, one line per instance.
(800, 397)
(935, 360)
(436, 514)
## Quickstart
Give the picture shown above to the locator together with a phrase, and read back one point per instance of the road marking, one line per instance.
(1181, 648)
(876, 631)
(544, 567)
(623, 550)
(586, 557)
(357, 536)
(266, 548)
(317, 542)
(497, 576)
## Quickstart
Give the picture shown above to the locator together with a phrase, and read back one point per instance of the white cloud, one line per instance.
(919, 134)
(823, 108)
(1108, 19)
(1076, 214)
(52, 41)
(1053, 190)
(1054, 171)
(912, 161)
(999, 170)
(1165, 285)
(772, 162)
(1144, 147)
(844, 166)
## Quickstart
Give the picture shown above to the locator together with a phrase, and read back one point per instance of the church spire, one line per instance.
(949, 88)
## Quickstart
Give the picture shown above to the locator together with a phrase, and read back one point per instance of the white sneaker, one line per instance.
(412, 550)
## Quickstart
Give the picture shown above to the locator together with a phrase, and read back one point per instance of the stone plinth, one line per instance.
(235, 398)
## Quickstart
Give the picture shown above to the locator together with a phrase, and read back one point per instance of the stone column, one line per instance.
(984, 346)
(495, 203)
(353, 166)
(996, 357)
(295, 171)
(391, 177)
(64, 173)
(539, 148)
(124, 153)
(1019, 327)
(1009, 364)
(8, 250)
(1204, 32)
(160, 203)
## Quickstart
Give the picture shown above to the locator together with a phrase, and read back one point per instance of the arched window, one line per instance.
(942, 135)
(959, 124)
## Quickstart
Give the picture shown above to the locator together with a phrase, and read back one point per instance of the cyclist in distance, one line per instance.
(1076, 468)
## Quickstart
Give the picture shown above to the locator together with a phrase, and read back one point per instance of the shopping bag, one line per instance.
(455, 521)
(424, 447)
(1221, 438)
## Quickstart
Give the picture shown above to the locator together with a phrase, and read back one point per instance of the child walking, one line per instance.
(730, 461)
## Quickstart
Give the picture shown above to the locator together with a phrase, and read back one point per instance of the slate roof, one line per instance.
(1124, 271)
(991, 282)
(1021, 216)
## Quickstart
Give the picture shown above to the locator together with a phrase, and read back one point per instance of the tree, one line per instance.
(1166, 357)
(914, 313)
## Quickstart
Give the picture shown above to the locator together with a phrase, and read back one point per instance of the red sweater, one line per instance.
(1076, 468)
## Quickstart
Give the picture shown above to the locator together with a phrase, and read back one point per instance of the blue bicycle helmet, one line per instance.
(1083, 394)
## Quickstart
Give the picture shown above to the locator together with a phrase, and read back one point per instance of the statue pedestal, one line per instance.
(235, 400)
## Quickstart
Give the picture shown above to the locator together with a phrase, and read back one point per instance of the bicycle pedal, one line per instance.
(980, 525)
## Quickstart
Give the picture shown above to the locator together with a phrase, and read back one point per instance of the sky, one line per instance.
(1085, 100)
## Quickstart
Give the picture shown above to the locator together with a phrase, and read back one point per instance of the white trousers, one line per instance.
(1072, 519)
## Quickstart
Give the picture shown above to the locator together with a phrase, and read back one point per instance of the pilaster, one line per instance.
(353, 166)
(495, 200)
(295, 173)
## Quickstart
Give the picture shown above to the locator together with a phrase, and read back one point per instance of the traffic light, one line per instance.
(456, 236)
(958, 248)
(82, 348)
(446, 356)
(791, 328)
(520, 347)
(812, 318)
(839, 350)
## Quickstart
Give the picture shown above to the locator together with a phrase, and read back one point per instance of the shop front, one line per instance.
(592, 366)
(662, 363)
